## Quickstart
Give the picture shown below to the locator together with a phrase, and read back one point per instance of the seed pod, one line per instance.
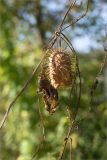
(61, 69)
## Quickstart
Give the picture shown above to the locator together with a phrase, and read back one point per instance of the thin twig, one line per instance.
(82, 16)
(66, 141)
(71, 6)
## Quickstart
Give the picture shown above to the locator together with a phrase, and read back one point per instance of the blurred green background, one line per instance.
(25, 27)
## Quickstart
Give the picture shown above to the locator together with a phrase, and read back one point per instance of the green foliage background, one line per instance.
(25, 27)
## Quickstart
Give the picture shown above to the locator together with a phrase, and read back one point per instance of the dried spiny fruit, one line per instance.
(61, 69)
